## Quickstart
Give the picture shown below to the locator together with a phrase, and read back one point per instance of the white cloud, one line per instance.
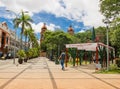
(93, 17)
(74, 9)
(53, 27)
(1, 4)
(81, 31)
(37, 27)
(86, 11)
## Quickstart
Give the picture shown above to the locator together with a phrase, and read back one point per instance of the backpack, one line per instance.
(63, 56)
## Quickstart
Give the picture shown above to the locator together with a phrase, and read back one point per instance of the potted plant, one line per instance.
(21, 56)
(28, 55)
(118, 62)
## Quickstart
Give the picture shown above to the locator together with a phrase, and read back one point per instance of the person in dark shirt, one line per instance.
(62, 59)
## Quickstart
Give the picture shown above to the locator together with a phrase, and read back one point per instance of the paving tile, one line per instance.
(40, 73)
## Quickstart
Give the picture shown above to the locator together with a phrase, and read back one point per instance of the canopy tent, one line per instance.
(88, 46)
(99, 48)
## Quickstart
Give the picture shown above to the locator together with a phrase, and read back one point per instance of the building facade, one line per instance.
(14, 45)
(4, 38)
(9, 42)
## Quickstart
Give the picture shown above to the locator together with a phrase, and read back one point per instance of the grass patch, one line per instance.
(83, 62)
(115, 71)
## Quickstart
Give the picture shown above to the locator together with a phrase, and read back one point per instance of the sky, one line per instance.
(57, 14)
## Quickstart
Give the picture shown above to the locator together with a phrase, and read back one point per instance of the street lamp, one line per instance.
(15, 34)
(107, 29)
(107, 50)
(15, 31)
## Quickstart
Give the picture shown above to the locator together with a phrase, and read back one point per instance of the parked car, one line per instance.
(9, 55)
(1, 54)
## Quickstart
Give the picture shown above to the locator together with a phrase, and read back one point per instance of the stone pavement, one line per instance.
(40, 73)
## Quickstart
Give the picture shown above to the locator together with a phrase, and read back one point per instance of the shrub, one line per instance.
(113, 67)
(21, 54)
(32, 53)
(118, 62)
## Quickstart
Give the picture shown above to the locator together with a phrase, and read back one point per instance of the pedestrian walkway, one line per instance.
(40, 73)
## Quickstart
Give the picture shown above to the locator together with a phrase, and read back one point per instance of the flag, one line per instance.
(93, 35)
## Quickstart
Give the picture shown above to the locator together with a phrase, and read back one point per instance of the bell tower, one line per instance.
(70, 30)
(43, 29)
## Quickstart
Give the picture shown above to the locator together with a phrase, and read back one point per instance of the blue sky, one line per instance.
(57, 14)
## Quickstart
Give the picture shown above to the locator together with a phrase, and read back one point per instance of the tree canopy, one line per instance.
(110, 9)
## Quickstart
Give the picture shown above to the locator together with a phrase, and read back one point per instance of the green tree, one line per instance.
(28, 35)
(33, 40)
(115, 40)
(101, 33)
(55, 41)
(93, 35)
(24, 22)
(110, 9)
(84, 36)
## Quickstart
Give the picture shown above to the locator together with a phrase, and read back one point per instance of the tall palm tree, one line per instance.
(23, 21)
(33, 40)
(28, 32)
(30, 37)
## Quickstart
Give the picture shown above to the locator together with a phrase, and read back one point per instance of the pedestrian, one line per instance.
(94, 57)
(62, 59)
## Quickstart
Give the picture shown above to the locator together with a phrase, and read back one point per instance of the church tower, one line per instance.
(70, 30)
(43, 29)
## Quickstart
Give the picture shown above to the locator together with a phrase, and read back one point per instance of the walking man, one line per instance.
(62, 59)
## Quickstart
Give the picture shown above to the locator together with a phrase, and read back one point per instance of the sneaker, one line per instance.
(63, 68)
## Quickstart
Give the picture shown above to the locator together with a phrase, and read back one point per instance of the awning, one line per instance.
(87, 46)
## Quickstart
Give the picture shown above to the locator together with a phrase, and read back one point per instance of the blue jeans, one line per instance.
(62, 63)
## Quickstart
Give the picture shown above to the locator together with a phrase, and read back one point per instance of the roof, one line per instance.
(87, 46)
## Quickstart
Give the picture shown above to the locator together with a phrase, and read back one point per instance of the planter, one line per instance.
(20, 61)
(118, 62)
(25, 60)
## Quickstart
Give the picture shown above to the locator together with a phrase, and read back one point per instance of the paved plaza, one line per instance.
(40, 73)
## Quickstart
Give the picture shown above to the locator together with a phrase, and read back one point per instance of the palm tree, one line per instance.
(24, 22)
(28, 32)
(33, 40)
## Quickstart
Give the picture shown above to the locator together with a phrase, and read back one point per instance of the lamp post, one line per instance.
(107, 29)
(15, 35)
(107, 50)
(15, 32)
